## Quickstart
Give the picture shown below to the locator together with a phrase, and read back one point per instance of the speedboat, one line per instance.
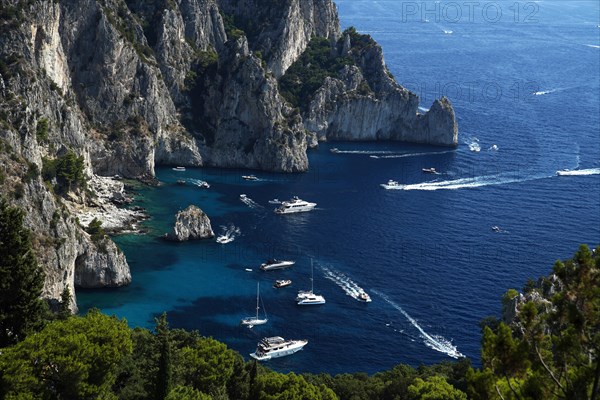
(276, 346)
(334, 150)
(243, 196)
(225, 239)
(390, 184)
(295, 205)
(251, 322)
(563, 172)
(282, 283)
(276, 264)
(363, 296)
(181, 182)
(429, 170)
(250, 177)
(496, 228)
(275, 201)
(179, 169)
(202, 184)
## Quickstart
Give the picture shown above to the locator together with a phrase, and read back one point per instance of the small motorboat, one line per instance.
(334, 150)
(429, 170)
(179, 169)
(563, 172)
(363, 296)
(275, 201)
(181, 182)
(390, 184)
(282, 283)
(202, 184)
(248, 269)
(496, 228)
(250, 177)
(243, 196)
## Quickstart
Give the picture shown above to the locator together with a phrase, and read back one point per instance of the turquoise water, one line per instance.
(428, 255)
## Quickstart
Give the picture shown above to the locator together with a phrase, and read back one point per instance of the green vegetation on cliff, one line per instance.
(546, 348)
(21, 279)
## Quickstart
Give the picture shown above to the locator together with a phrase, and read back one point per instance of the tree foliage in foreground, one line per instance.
(21, 279)
(551, 349)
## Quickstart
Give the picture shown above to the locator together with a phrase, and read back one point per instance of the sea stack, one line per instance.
(190, 224)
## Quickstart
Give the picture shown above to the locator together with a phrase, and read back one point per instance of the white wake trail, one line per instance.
(414, 154)
(343, 281)
(467, 183)
(250, 203)
(435, 342)
(374, 152)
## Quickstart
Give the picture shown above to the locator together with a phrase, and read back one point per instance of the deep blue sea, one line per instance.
(523, 76)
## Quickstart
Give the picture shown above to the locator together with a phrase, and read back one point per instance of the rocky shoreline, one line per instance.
(109, 206)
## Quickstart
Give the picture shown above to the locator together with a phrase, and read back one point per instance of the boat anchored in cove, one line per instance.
(251, 322)
(276, 346)
(276, 264)
(308, 297)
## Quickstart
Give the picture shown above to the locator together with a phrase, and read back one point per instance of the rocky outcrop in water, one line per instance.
(190, 224)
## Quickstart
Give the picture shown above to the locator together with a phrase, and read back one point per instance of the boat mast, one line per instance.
(311, 276)
(257, 293)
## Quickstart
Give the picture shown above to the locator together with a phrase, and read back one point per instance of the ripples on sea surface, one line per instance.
(426, 256)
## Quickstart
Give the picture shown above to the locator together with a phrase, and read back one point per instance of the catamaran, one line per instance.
(308, 297)
(250, 322)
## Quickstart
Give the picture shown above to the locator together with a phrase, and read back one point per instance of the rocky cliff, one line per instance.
(94, 88)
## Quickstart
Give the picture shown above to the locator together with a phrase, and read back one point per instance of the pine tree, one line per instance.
(165, 369)
(21, 279)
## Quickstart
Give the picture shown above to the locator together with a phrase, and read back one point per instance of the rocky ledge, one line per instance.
(190, 224)
(107, 206)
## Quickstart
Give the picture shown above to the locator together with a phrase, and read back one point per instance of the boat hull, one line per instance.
(296, 347)
(273, 267)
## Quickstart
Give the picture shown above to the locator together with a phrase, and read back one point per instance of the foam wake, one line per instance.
(343, 281)
(544, 92)
(579, 172)
(435, 342)
(467, 183)
(413, 154)
(229, 233)
(249, 202)
(362, 152)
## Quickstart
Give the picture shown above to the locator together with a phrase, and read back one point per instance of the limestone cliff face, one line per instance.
(366, 103)
(128, 85)
(281, 30)
(190, 224)
(245, 120)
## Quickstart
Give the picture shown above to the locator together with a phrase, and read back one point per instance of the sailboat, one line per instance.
(250, 322)
(308, 298)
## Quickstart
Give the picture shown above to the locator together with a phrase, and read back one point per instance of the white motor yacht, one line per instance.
(276, 346)
(179, 169)
(250, 177)
(276, 264)
(295, 205)
(429, 170)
